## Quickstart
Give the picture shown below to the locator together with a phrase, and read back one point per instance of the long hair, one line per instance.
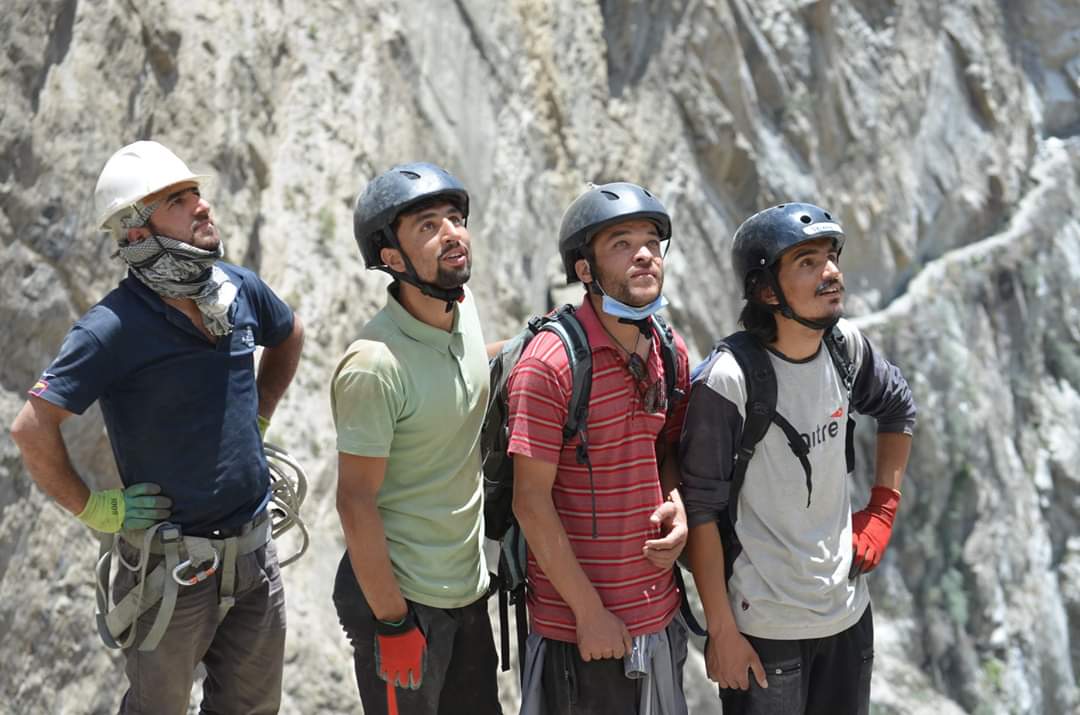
(757, 317)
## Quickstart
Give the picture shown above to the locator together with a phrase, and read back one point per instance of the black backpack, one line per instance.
(498, 466)
(753, 360)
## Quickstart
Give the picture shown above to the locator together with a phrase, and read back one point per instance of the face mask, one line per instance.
(619, 309)
(174, 269)
(160, 258)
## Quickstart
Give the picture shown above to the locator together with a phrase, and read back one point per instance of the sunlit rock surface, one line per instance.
(942, 134)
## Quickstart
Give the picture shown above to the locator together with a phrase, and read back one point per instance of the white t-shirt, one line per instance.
(790, 580)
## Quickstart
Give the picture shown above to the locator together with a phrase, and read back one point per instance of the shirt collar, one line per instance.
(600, 340)
(143, 291)
(445, 342)
(594, 331)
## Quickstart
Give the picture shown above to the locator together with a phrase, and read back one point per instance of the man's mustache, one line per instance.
(829, 285)
(454, 247)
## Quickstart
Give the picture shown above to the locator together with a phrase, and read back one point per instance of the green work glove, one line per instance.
(139, 506)
(264, 424)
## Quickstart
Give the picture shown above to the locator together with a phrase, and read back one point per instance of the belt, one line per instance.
(247, 533)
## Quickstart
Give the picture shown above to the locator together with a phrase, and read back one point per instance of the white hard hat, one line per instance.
(135, 172)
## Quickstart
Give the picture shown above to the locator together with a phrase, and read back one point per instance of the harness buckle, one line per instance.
(169, 532)
(199, 576)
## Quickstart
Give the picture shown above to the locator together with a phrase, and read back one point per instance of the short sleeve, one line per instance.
(274, 316)
(367, 403)
(79, 374)
(537, 409)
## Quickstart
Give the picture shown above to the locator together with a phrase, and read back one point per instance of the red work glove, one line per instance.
(400, 652)
(871, 529)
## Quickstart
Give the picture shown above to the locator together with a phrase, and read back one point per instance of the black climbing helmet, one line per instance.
(764, 237)
(602, 206)
(391, 194)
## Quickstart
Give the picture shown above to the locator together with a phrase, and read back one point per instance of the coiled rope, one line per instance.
(288, 489)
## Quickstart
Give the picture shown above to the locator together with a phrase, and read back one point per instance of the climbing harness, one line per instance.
(190, 560)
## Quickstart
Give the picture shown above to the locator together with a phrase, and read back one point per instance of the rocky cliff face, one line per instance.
(943, 135)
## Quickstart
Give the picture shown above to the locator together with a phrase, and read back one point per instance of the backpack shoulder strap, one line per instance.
(836, 343)
(670, 358)
(840, 352)
(569, 329)
(761, 412)
(760, 379)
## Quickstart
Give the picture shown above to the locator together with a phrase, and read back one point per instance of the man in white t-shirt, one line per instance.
(789, 619)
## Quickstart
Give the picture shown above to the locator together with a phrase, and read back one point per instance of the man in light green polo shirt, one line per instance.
(408, 400)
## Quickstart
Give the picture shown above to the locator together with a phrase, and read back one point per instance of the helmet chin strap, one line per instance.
(787, 312)
(784, 309)
(409, 275)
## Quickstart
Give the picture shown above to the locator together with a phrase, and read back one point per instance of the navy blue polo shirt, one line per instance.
(180, 411)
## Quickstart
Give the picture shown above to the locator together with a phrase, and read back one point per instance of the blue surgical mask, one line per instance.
(619, 309)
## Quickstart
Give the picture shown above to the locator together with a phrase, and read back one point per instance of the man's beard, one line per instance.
(450, 278)
(207, 239)
(620, 289)
(835, 311)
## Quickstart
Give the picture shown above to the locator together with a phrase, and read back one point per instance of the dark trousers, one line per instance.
(460, 672)
(573, 686)
(815, 676)
(243, 654)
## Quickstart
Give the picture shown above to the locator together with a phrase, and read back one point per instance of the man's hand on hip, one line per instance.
(139, 506)
(871, 529)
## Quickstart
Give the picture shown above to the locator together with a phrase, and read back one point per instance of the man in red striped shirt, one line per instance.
(606, 636)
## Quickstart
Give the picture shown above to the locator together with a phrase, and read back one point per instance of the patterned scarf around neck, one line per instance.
(174, 269)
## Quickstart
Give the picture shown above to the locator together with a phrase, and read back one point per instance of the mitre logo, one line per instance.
(824, 432)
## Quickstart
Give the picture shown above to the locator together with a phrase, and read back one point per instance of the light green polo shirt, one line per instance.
(416, 395)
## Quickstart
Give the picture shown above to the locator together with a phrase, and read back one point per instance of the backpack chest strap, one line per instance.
(798, 447)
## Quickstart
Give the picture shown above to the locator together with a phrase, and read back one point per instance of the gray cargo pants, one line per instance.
(243, 654)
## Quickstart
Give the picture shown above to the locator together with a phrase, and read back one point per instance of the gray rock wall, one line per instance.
(943, 135)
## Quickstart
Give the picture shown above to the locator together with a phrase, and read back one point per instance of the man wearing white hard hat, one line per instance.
(169, 355)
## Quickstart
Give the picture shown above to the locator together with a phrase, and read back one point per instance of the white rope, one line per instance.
(288, 489)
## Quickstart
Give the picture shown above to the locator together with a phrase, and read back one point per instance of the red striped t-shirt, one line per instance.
(622, 448)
